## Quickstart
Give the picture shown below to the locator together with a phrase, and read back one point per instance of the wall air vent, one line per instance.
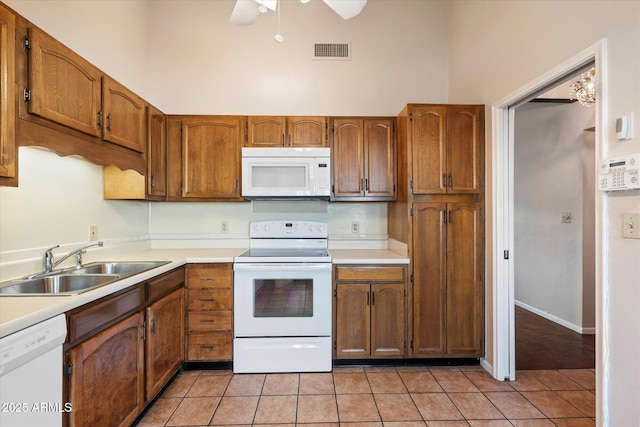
(332, 51)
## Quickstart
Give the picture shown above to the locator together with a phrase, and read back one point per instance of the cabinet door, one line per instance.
(266, 131)
(156, 153)
(165, 341)
(348, 167)
(107, 381)
(307, 132)
(429, 154)
(211, 154)
(64, 87)
(380, 158)
(123, 116)
(464, 287)
(465, 149)
(429, 287)
(8, 144)
(353, 317)
(387, 319)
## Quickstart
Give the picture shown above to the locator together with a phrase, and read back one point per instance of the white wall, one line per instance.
(549, 179)
(497, 48)
(201, 64)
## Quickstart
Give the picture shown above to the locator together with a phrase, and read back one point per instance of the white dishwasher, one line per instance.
(31, 375)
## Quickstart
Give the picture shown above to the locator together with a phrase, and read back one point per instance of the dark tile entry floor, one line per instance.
(543, 344)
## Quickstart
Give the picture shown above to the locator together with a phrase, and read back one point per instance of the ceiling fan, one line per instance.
(246, 12)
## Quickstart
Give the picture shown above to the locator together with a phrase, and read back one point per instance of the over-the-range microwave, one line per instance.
(273, 173)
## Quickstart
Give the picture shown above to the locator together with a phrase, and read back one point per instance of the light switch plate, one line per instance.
(631, 225)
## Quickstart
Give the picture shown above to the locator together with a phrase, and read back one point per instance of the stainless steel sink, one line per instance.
(60, 284)
(124, 269)
(76, 280)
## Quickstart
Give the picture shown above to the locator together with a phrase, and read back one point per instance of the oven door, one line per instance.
(282, 300)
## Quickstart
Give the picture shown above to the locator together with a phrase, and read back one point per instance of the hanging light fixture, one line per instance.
(584, 90)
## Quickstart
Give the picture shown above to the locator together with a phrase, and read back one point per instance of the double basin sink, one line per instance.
(76, 280)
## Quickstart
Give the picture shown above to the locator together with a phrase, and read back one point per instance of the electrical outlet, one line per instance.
(355, 226)
(631, 225)
(566, 217)
(93, 232)
(224, 226)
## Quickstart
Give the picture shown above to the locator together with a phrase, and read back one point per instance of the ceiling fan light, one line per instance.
(267, 4)
(304, 1)
(262, 8)
(347, 9)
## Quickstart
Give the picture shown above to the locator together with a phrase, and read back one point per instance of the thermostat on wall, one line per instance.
(620, 173)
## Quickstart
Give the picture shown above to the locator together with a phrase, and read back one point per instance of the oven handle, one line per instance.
(325, 266)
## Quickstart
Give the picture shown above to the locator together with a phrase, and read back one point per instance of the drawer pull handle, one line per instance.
(207, 299)
(207, 320)
(207, 279)
(207, 347)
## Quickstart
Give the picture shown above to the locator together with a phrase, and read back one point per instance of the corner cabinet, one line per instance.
(281, 131)
(364, 159)
(204, 156)
(131, 185)
(8, 143)
(370, 311)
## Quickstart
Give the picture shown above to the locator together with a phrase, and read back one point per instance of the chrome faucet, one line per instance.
(48, 263)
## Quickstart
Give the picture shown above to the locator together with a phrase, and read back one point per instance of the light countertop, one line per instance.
(19, 312)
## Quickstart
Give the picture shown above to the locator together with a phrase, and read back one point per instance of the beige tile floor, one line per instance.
(386, 396)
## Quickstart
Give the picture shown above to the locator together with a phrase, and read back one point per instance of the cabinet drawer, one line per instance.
(103, 313)
(205, 276)
(209, 346)
(209, 299)
(370, 274)
(164, 284)
(210, 320)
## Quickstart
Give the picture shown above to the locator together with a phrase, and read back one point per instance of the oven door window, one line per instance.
(283, 298)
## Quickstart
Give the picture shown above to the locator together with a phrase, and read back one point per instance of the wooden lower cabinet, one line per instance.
(370, 312)
(165, 341)
(448, 281)
(107, 382)
(209, 315)
(122, 349)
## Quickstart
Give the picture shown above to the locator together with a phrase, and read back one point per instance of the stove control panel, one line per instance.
(288, 229)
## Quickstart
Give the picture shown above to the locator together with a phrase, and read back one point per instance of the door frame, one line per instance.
(502, 298)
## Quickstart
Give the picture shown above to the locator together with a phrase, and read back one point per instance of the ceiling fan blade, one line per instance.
(245, 12)
(347, 9)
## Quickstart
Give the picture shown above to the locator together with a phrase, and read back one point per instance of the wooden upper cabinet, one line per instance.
(8, 144)
(266, 131)
(307, 132)
(123, 116)
(348, 158)
(280, 131)
(211, 154)
(364, 159)
(156, 153)
(447, 147)
(63, 87)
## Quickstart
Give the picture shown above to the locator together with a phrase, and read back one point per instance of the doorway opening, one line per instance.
(503, 295)
(554, 231)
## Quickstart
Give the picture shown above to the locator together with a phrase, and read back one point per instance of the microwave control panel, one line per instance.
(620, 173)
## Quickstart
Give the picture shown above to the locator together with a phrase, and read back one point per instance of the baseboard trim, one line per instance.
(555, 319)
